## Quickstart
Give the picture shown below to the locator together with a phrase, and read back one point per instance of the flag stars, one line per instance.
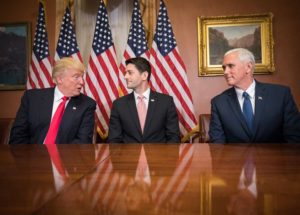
(102, 37)
(164, 36)
(40, 37)
(67, 41)
(136, 33)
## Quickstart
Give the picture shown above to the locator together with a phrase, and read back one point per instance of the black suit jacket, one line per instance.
(276, 117)
(34, 116)
(161, 124)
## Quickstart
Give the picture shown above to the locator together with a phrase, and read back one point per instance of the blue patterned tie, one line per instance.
(247, 110)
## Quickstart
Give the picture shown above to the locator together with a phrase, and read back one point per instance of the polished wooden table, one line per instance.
(150, 179)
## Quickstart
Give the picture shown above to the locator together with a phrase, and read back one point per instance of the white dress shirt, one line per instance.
(251, 93)
(146, 95)
(57, 100)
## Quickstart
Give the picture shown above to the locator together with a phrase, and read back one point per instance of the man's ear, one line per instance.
(58, 79)
(145, 75)
(249, 67)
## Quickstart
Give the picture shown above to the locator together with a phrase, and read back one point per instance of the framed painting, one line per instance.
(14, 55)
(218, 34)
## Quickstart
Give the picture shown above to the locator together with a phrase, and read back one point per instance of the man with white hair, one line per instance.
(250, 111)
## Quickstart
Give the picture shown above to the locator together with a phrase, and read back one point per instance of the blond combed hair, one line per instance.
(66, 63)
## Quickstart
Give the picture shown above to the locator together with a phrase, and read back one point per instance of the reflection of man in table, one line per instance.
(42, 176)
(158, 188)
(243, 202)
(264, 186)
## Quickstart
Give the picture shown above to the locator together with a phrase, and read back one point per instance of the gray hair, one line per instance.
(243, 54)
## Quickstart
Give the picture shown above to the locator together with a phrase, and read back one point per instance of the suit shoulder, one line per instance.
(162, 96)
(122, 99)
(275, 88)
(88, 99)
(38, 92)
(223, 95)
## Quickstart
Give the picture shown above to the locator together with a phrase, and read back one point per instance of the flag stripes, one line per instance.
(102, 76)
(40, 68)
(136, 44)
(169, 73)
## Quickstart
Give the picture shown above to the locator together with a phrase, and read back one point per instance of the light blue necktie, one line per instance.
(247, 111)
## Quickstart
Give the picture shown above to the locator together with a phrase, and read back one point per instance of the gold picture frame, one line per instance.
(218, 34)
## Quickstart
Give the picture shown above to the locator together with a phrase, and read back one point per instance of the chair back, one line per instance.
(5, 127)
(204, 120)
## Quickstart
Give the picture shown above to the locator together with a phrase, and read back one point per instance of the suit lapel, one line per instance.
(150, 112)
(260, 102)
(133, 111)
(44, 113)
(69, 113)
(236, 109)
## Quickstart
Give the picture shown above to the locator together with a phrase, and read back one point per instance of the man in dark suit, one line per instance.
(38, 107)
(250, 111)
(158, 124)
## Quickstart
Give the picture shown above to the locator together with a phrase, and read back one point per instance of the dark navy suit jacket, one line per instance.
(161, 124)
(34, 116)
(276, 117)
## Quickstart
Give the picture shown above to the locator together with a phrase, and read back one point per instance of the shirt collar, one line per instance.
(250, 90)
(57, 94)
(146, 94)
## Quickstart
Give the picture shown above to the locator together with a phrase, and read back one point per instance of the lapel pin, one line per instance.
(260, 98)
(74, 108)
(152, 100)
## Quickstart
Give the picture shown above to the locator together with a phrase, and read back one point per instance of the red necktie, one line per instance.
(55, 122)
(142, 111)
(55, 158)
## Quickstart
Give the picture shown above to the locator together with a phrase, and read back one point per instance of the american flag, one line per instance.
(169, 74)
(136, 44)
(105, 184)
(167, 191)
(40, 66)
(102, 74)
(67, 44)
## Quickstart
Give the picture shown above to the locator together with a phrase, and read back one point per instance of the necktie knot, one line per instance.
(246, 95)
(65, 98)
(141, 98)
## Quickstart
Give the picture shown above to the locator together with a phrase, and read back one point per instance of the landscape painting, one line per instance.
(218, 34)
(222, 39)
(14, 45)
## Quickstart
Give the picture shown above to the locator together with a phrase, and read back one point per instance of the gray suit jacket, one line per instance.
(276, 118)
(34, 116)
(161, 124)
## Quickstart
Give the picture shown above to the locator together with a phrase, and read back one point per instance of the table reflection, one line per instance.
(253, 180)
(159, 179)
(33, 175)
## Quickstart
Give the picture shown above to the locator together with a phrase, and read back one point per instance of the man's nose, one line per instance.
(225, 69)
(81, 81)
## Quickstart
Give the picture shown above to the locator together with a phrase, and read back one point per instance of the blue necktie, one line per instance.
(249, 168)
(247, 110)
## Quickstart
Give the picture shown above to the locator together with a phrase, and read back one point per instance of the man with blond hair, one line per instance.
(56, 115)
